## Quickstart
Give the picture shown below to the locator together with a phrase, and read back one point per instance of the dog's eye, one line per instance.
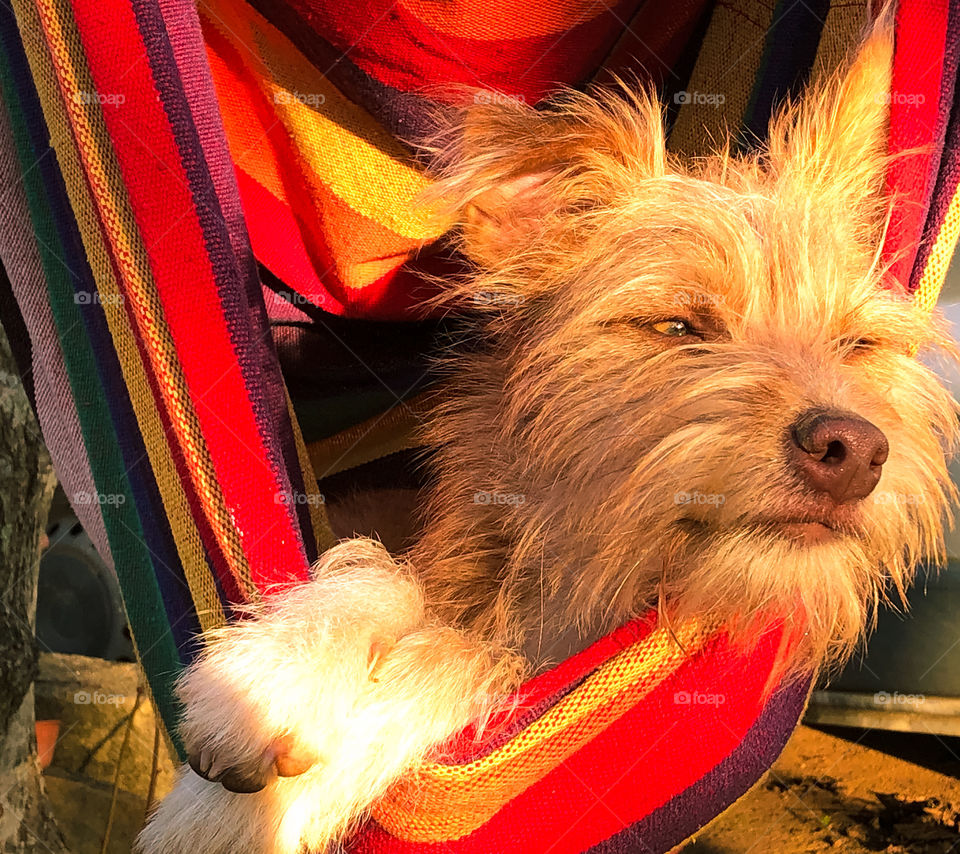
(858, 345)
(673, 327)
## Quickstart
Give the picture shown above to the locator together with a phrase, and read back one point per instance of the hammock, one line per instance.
(180, 180)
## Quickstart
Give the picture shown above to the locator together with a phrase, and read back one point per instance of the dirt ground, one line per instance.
(849, 791)
(838, 790)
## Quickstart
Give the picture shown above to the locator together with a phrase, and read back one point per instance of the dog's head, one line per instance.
(700, 380)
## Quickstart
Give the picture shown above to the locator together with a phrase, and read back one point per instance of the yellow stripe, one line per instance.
(444, 802)
(342, 146)
(935, 271)
(98, 165)
(391, 431)
(727, 66)
(186, 536)
(322, 531)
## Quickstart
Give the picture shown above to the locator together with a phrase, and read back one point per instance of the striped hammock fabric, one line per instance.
(160, 159)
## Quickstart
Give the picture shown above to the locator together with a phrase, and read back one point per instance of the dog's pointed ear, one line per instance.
(515, 174)
(500, 217)
(833, 142)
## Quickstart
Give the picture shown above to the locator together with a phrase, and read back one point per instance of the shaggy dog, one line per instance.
(698, 390)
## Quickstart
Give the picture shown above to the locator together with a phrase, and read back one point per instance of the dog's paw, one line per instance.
(245, 773)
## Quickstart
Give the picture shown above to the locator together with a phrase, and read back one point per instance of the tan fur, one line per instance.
(568, 439)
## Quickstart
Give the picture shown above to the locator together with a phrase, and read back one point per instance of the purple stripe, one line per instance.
(236, 276)
(186, 41)
(685, 813)
(189, 53)
(407, 116)
(789, 54)
(945, 162)
(56, 410)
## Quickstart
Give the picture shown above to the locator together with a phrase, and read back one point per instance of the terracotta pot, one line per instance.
(47, 733)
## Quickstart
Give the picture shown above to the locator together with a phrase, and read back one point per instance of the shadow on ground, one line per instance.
(938, 753)
(885, 822)
(846, 791)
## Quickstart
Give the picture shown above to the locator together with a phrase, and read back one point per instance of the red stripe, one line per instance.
(400, 50)
(211, 546)
(277, 244)
(921, 30)
(167, 221)
(286, 234)
(657, 750)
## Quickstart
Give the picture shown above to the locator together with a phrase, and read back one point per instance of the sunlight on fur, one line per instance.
(698, 389)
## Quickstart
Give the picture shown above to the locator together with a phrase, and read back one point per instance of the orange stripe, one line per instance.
(444, 802)
(339, 145)
(505, 20)
(362, 250)
(102, 172)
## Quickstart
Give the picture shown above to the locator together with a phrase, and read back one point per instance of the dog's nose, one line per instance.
(838, 454)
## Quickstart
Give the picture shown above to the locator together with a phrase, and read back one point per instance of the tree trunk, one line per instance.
(26, 488)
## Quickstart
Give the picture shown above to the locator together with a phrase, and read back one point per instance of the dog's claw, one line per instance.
(247, 781)
(200, 762)
(279, 759)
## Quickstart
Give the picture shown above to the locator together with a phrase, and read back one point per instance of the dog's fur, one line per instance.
(573, 435)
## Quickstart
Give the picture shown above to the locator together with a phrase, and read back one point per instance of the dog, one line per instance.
(697, 390)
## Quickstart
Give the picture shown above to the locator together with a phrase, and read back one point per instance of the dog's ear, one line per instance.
(832, 144)
(502, 216)
(516, 174)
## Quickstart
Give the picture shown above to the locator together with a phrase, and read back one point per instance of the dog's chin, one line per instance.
(804, 533)
(801, 533)
(819, 578)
